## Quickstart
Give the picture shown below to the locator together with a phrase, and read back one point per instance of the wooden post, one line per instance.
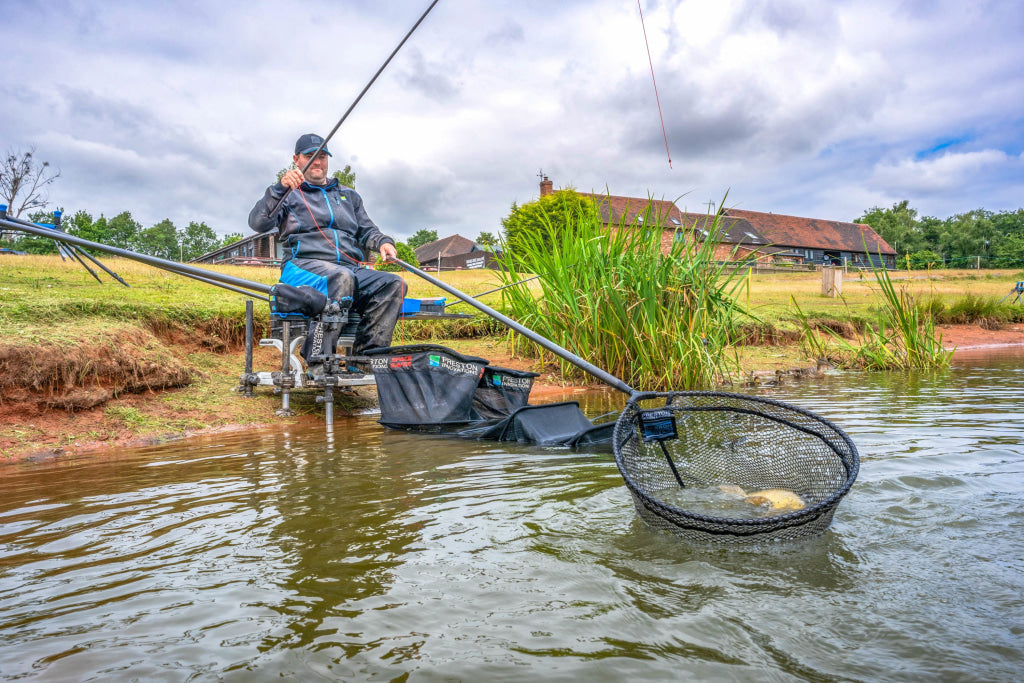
(831, 281)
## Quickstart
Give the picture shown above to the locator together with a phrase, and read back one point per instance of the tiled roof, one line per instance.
(811, 233)
(752, 228)
(613, 208)
(446, 246)
(732, 231)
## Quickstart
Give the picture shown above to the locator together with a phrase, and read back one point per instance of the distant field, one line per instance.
(43, 289)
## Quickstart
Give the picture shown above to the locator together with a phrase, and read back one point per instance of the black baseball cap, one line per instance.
(309, 143)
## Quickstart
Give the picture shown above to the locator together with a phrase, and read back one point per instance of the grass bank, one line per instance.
(84, 362)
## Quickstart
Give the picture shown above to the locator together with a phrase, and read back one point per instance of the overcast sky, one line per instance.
(186, 110)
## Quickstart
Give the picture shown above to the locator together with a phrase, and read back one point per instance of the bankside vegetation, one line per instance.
(902, 338)
(55, 311)
(610, 295)
(660, 321)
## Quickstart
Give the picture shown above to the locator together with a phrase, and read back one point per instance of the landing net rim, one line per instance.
(625, 429)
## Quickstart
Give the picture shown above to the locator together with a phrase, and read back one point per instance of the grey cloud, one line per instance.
(509, 32)
(404, 198)
(814, 20)
(194, 126)
(433, 79)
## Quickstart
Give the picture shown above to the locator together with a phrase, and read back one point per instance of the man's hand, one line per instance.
(388, 252)
(292, 179)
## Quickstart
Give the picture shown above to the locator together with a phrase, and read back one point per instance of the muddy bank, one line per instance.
(135, 389)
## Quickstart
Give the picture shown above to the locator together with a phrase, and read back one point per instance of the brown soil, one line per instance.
(64, 400)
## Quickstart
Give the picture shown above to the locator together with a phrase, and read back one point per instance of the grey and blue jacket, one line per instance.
(326, 222)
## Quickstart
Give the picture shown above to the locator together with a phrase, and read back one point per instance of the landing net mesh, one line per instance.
(729, 468)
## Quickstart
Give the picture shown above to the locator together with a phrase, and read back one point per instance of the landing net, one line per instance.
(730, 468)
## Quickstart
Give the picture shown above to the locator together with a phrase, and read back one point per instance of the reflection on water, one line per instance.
(372, 555)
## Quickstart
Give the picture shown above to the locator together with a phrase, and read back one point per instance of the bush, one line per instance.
(405, 252)
(536, 225)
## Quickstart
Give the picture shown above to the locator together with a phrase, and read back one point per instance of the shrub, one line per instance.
(405, 252)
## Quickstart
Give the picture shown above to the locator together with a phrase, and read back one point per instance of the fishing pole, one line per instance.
(491, 291)
(352, 106)
(551, 346)
(220, 279)
(97, 262)
(71, 250)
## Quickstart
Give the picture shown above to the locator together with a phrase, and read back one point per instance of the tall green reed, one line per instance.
(903, 336)
(658, 321)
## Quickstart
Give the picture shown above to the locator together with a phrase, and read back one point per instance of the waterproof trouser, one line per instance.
(376, 296)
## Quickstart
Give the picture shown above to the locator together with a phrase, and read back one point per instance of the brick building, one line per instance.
(766, 237)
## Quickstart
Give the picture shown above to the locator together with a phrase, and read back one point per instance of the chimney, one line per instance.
(545, 187)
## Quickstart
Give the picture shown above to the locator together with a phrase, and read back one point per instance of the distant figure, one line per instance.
(326, 233)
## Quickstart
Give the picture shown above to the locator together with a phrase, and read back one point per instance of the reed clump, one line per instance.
(902, 338)
(609, 294)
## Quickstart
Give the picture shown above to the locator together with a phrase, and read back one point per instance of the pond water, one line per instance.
(376, 555)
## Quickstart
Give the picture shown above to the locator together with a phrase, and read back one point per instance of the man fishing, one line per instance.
(326, 233)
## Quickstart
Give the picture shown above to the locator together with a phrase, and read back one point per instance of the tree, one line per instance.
(923, 260)
(123, 230)
(97, 231)
(196, 240)
(79, 224)
(1007, 226)
(487, 241)
(346, 177)
(422, 236)
(898, 226)
(161, 240)
(34, 244)
(231, 239)
(538, 221)
(1010, 252)
(965, 237)
(23, 182)
(405, 253)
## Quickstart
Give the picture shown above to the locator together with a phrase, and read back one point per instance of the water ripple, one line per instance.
(371, 554)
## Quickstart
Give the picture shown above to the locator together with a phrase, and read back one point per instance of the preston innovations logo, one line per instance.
(461, 368)
(496, 380)
(379, 363)
(522, 383)
(435, 361)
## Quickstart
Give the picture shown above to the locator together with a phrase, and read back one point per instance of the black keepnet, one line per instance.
(425, 386)
(502, 391)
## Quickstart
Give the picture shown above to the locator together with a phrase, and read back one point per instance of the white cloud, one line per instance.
(945, 173)
(186, 110)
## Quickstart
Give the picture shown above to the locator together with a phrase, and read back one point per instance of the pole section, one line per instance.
(356, 101)
(164, 264)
